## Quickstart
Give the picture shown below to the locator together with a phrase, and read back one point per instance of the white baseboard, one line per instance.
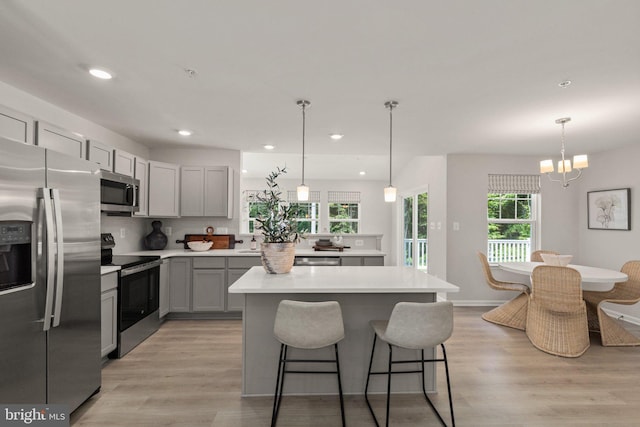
(621, 316)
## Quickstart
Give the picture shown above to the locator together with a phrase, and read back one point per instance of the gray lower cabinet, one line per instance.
(236, 267)
(180, 285)
(109, 313)
(165, 290)
(362, 260)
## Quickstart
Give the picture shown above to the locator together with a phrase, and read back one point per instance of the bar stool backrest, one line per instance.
(420, 325)
(308, 325)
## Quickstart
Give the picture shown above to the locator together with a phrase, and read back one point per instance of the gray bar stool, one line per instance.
(414, 326)
(306, 325)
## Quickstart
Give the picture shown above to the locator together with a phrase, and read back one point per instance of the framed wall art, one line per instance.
(609, 209)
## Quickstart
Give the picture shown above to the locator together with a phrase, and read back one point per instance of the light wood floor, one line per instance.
(188, 374)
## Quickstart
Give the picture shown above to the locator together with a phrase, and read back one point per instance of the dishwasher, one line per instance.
(317, 261)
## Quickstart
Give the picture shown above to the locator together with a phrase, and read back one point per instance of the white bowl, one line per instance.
(559, 260)
(199, 246)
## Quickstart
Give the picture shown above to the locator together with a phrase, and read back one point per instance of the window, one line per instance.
(255, 209)
(344, 218)
(511, 221)
(512, 217)
(415, 230)
(308, 217)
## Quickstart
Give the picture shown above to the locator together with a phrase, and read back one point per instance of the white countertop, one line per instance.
(340, 280)
(167, 253)
(106, 269)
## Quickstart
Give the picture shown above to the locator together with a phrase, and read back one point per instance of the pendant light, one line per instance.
(564, 166)
(390, 191)
(303, 190)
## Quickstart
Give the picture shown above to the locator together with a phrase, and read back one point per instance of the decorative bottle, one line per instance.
(156, 240)
(254, 244)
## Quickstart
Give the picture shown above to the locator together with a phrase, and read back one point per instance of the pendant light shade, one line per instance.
(390, 190)
(302, 189)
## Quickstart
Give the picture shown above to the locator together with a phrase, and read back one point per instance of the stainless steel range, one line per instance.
(138, 296)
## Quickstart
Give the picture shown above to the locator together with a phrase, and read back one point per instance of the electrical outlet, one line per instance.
(359, 242)
(456, 226)
(310, 242)
(168, 231)
(123, 233)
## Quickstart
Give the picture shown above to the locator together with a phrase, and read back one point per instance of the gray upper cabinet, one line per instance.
(206, 191)
(124, 163)
(164, 189)
(15, 125)
(60, 140)
(100, 153)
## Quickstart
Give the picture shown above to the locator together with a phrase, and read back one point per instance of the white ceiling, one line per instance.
(470, 76)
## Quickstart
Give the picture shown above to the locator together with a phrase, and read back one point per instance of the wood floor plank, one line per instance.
(189, 374)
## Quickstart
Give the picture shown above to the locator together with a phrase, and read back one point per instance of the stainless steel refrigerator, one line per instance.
(49, 277)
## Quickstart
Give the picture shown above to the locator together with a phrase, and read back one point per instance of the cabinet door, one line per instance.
(373, 260)
(60, 140)
(217, 193)
(191, 191)
(142, 174)
(351, 260)
(180, 285)
(109, 316)
(164, 189)
(100, 153)
(235, 302)
(15, 125)
(165, 291)
(124, 163)
(208, 290)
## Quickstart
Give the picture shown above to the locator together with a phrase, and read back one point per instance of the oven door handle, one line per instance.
(138, 268)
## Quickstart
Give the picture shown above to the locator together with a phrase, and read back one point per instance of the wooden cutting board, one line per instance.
(220, 241)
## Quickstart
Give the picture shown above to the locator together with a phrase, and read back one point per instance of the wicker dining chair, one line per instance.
(627, 293)
(512, 313)
(536, 256)
(557, 315)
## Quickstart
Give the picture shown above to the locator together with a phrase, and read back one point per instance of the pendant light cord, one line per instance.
(390, 105)
(304, 120)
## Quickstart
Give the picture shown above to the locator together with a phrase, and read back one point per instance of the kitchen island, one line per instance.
(364, 293)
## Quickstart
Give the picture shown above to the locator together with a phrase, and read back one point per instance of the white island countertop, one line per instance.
(325, 279)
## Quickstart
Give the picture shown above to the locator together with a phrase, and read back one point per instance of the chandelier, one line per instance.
(564, 165)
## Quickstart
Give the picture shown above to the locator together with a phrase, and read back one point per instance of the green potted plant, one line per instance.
(277, 223)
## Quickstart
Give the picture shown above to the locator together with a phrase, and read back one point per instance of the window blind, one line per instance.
(314, 197)
(518, 184)
(344, 197)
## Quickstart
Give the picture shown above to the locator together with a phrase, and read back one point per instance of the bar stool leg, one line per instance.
(446, 370)
(389, 383)
(277, 398)
(339, 385)
(366, 387)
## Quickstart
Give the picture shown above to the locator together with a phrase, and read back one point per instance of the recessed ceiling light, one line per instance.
(363, 173)
(336, 136)
(185, 132)
(564, 83)
(269, 147)
(101, 74)
(244, 171)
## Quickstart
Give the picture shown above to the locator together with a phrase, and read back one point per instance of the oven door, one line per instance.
(138, 295)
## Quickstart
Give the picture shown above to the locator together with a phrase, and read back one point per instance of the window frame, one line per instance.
(331, 220)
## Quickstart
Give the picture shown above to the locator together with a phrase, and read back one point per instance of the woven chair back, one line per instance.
(536, 256)
(486, 268)
(557, 288)
(629, 290)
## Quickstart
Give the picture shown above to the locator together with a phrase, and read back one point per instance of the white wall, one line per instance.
(375, 215)
(611, 248)
(467, 205)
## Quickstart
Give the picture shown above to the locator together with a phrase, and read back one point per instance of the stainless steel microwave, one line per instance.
(119, 193)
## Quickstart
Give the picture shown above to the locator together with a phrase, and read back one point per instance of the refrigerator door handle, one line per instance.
(49, 254)
(57, 208)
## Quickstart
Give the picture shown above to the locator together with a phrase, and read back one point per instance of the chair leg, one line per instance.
(339, 385)
(366, 387)
(446, 369)
(277, 398)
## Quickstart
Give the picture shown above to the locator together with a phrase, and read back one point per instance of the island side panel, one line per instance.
(261, 349)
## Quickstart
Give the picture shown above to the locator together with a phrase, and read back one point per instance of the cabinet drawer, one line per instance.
(208, 262)
(108, 281)
(244, 262)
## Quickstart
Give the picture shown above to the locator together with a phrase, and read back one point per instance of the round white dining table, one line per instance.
(589, 274)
